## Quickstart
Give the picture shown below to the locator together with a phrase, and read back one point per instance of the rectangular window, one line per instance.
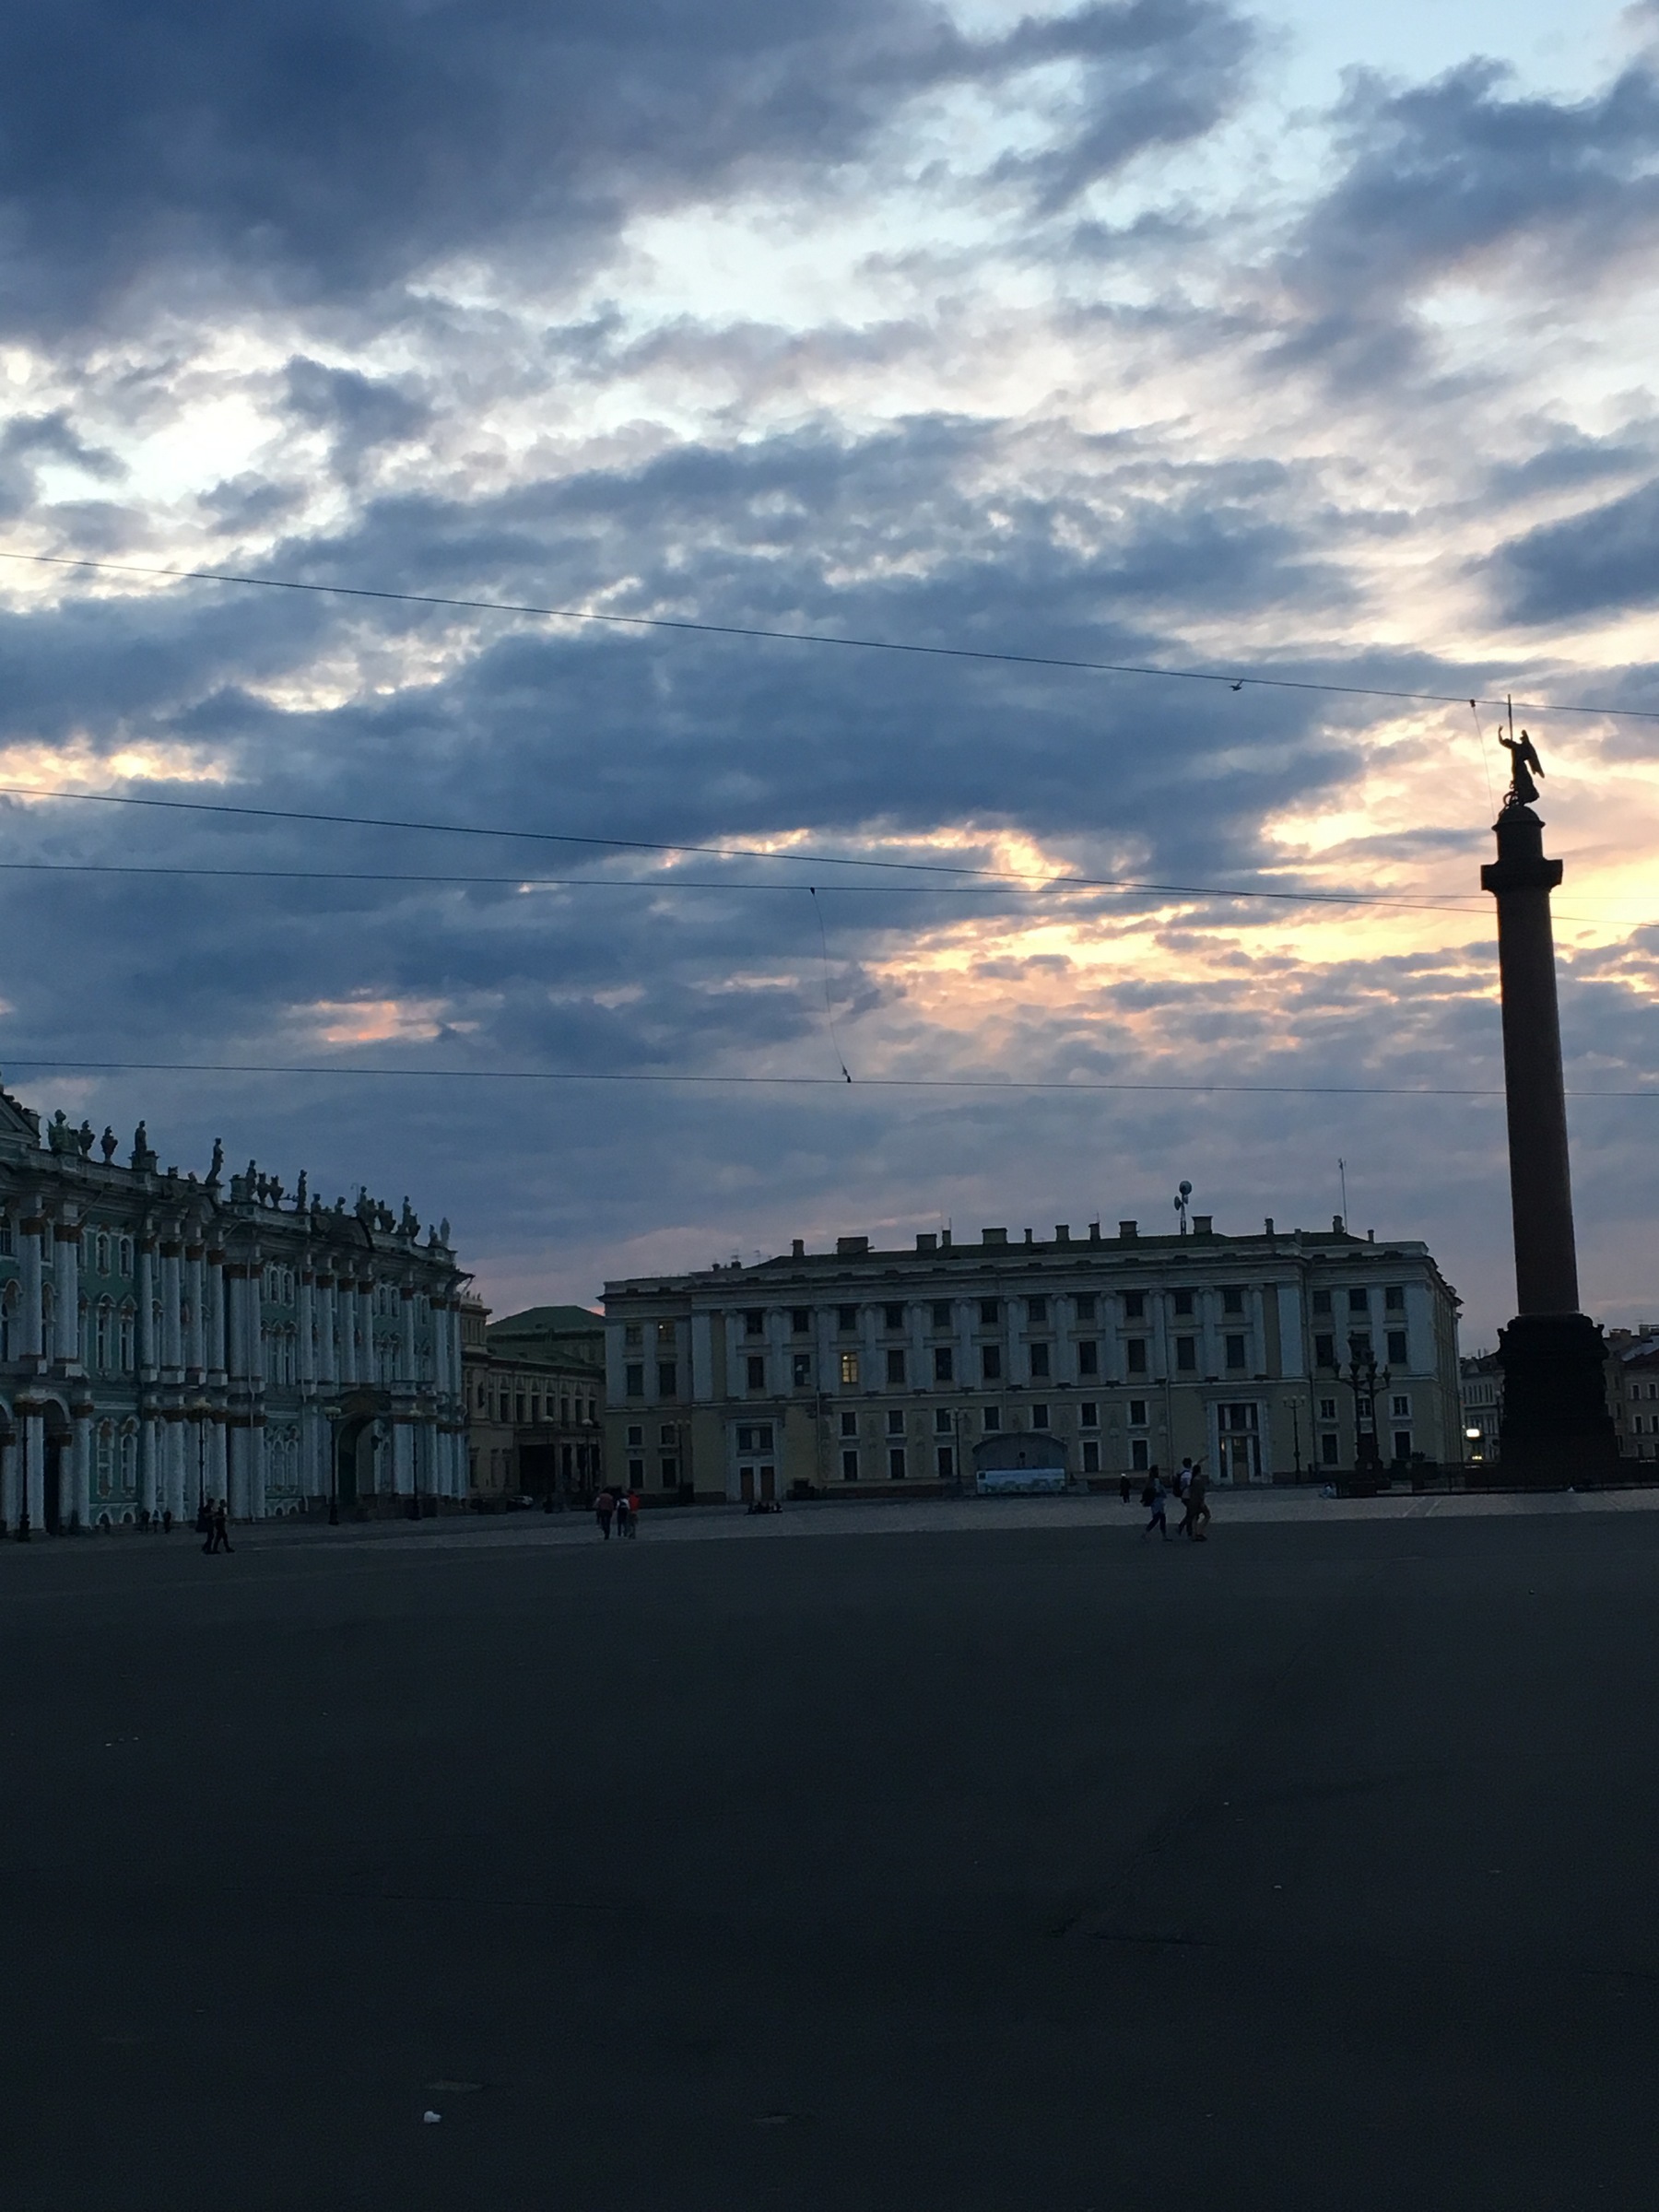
(849, 1424)
(1134, 1305)
(990, 1312)
(1091, 1458)
(1088, 1357)
(1040, 1363)
(1327, 1409)
(1084, 1306)
(664, 1336)
(633, 1335)
(1040, 1416)
(992, 1418)
(849, 1366)
(667, 1379)
(665, 1435)
(1137, 1413)
(1327, 1451)
(1183, 1302)
(942, 1421)
(800, 1321)
(1401, 1408)
(1088, 1415)
(944, 1364)
(846, 1319)
(757, 1373)
(893, 1317)
(1232, 1299)
(1186, 1355)
(1401, 1443)
(1321, 1301)
(633, 1381)
(1036, 1311)
(1325, 1351)
(746, 1440)
(670, 1474)
(1134, 1351)
(6, 1233)
(636, 1436)
(896, 1463)
(1393, 1298)
(895, 1422)
(636, 1472)
(534, 1409)
(1358, 1301)
(1137, 1454)
(1397, 1348)
(754, 1322)
(945, 1459)
(1235, 1351)
(895, 1370)
(519, 1410)
(991, 1362)
(849, 1466)
(941, 1314)
(1359, 1347)
(800, 1370)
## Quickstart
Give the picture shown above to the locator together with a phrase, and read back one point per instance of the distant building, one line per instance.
(166, 1338)
(854, 1370)
(1633, 1390)
(1480, 1388)
(534, 1386)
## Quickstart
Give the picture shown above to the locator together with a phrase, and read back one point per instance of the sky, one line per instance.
(1293, 342)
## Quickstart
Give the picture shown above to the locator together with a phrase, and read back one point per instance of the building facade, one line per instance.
(535, 1392)
(851, 1371)
(1633, 1391)
(1481, 1390)
(166, 1338)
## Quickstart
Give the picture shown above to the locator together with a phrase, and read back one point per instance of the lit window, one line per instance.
(849, 1366)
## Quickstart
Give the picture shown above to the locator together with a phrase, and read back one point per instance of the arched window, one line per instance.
(104, 1462)
(105, 1336)
(101, 1251)
(127, 1258)
(83, 1331)
(129, 1324)
(11, 1298)
(129, 1458)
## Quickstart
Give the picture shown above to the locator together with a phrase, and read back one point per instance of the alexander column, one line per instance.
(1557, 1429)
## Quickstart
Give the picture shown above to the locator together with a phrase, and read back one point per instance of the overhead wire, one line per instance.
(1233, 678)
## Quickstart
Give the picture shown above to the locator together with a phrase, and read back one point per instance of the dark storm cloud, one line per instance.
(181, 148)
(1439, 179)
(1598, 562)
(28, 442)
(358, 412)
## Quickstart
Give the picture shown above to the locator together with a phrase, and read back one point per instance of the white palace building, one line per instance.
(165, 1338)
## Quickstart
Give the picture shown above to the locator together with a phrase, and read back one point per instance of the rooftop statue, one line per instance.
(217, 1169)
(1525, 764)
(107, 1144)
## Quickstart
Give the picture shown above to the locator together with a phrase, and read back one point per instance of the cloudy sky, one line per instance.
(1295, 340)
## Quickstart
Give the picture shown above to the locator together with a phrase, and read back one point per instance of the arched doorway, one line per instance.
(355, 1443)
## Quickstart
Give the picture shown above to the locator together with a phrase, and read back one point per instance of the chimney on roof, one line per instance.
(1268, 1225)
(993, 1236)
(1094, 1232)
(1204, 1225)
(1336, 1227)
(1128, 1232)
(926, 1240)
(797, 1251)
(1028, 1236)
(1062, 1233)
(851, 1248)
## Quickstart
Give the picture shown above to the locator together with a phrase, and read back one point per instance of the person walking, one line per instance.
(1157, 1497)
(204, 1524)
(1183, 1490)
(605, 1505)
(1198, 1511)
(633, 1512)
(624, 1514)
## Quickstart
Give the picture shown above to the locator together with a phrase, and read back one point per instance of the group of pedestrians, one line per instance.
(213, 1521)
(620, 1506)
(1192, 1489)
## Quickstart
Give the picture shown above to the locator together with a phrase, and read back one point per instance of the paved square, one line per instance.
(1001, 1867)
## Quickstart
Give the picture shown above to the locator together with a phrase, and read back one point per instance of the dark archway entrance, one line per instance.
(354, 1444)
(57, 1485)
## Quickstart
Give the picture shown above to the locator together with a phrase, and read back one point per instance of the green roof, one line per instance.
(548, 1320)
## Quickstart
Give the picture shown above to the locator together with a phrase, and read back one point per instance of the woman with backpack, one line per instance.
(1156, 1498)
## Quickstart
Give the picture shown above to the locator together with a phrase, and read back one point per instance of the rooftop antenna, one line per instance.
(1182, 1194)
(1342, 1177)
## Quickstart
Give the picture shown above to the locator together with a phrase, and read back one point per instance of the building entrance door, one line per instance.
(758, 1481)
(1238, 1445)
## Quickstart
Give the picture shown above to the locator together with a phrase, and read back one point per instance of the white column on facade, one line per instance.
(219, 1484)
(308, 1305)
(213, 1299)
(34, 1232)
(403, 1457)
(369, 1367)
(256, 1469)
(405, 1371)
(347, 1312)
(195, 1356)
(33, 1428)
(148, 1349)
(79, 1503)
(149, 1473)
(236, 1465)
(173, 1451)
(173, 1349)
(66, 1283)
(9, 1486)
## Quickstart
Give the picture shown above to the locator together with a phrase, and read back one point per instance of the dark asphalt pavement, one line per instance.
(1017, 1869)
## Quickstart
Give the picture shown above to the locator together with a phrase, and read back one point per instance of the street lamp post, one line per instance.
(1364, 1379)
